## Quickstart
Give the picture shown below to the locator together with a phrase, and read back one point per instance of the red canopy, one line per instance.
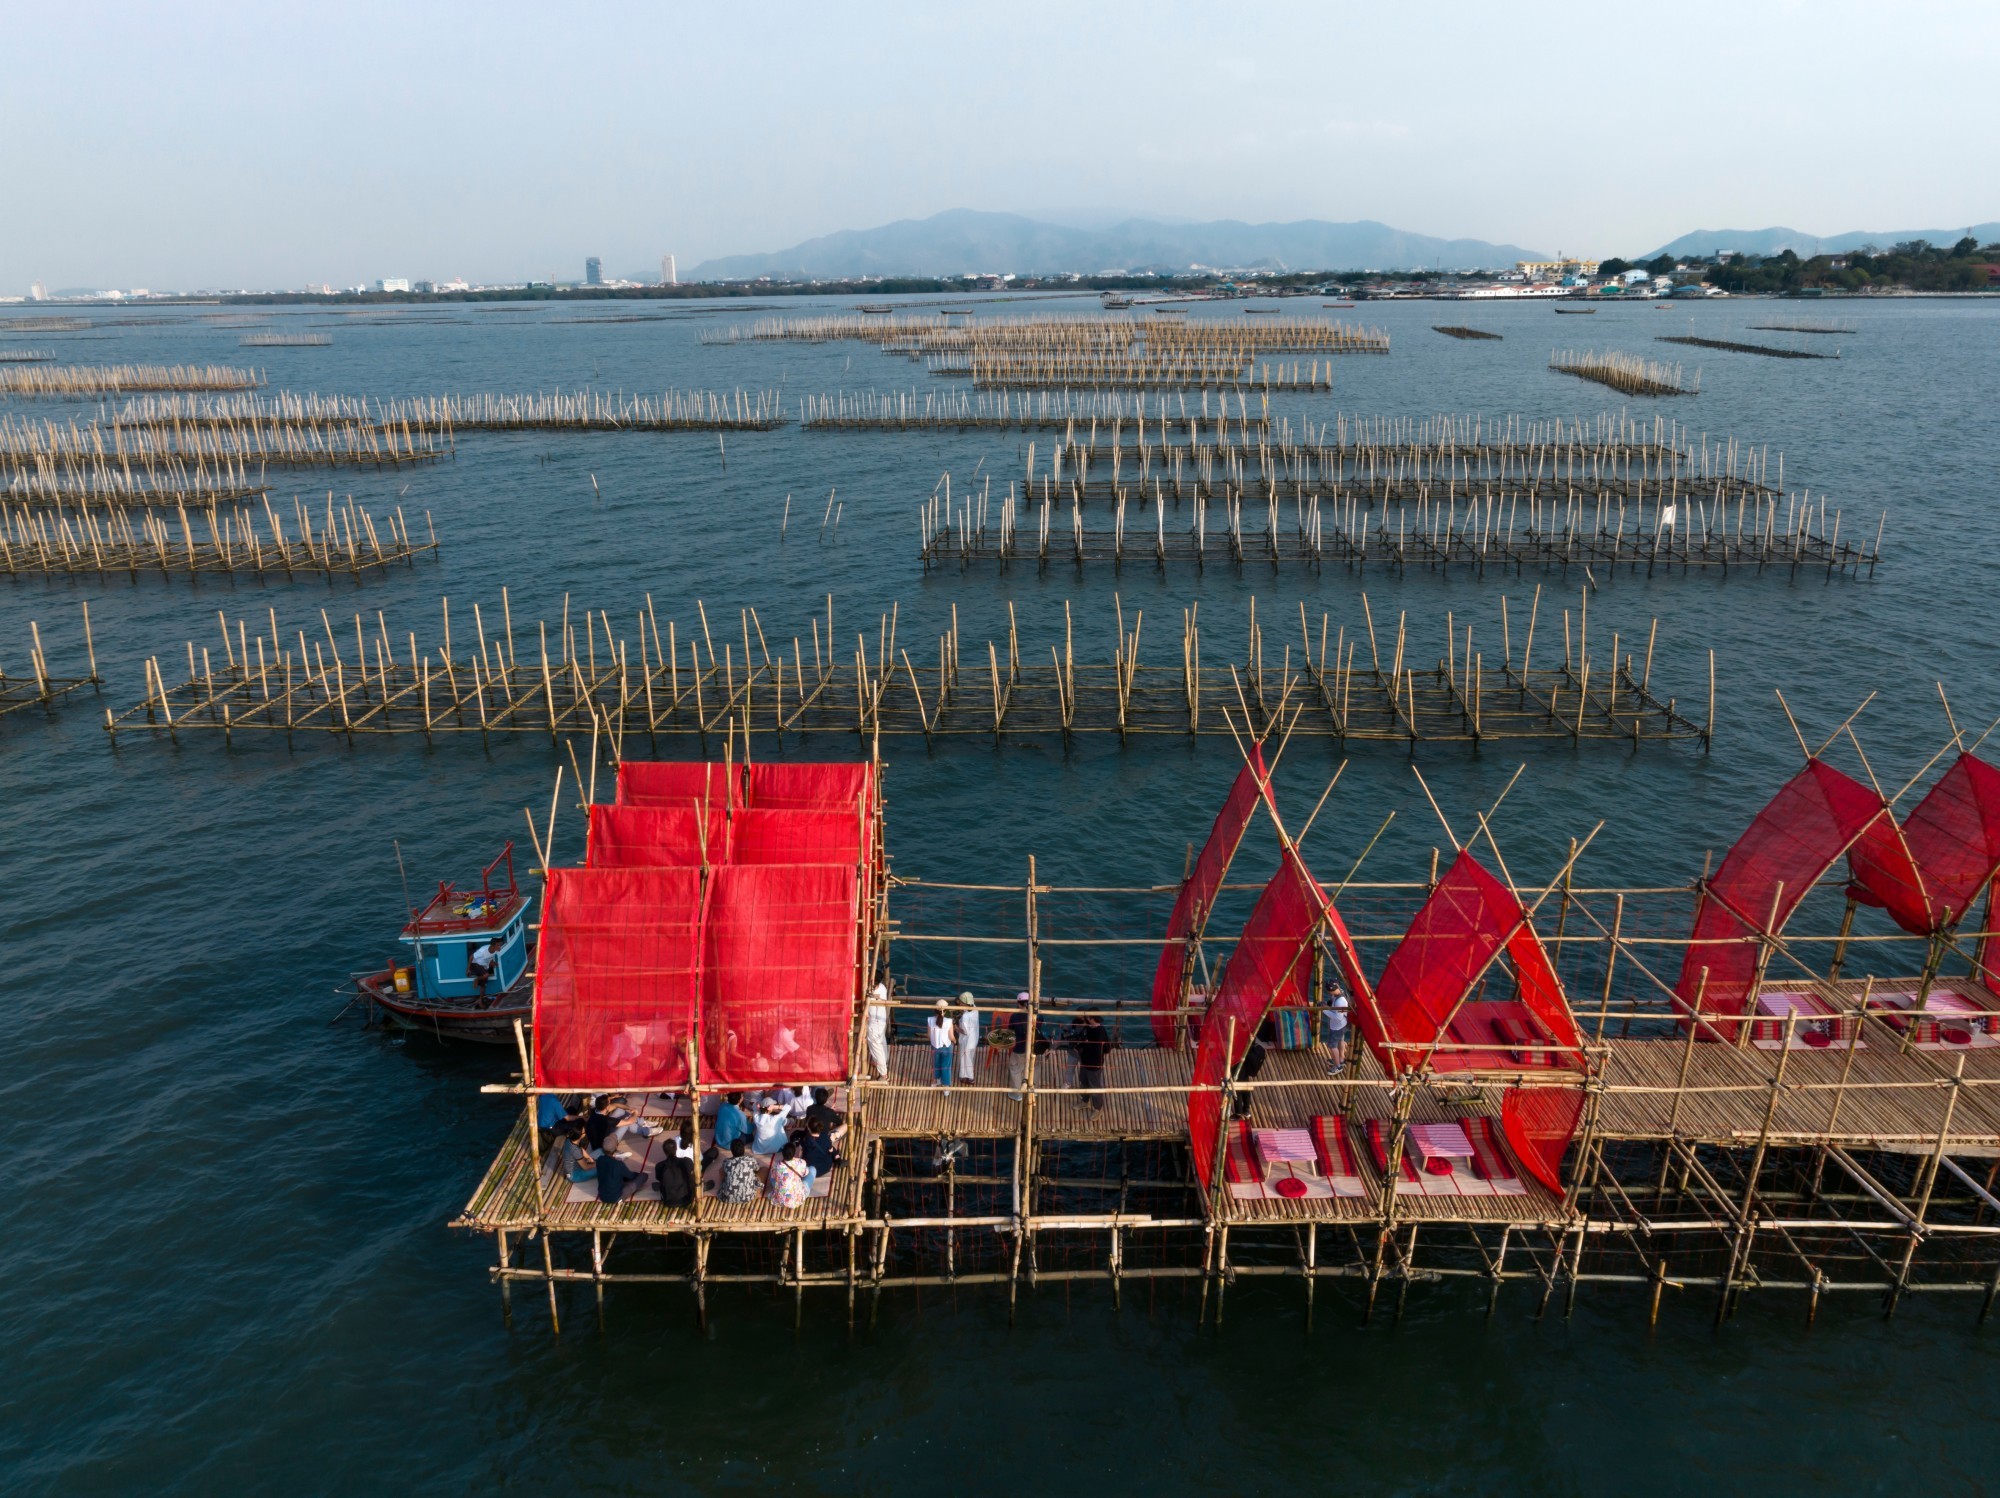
(762, 836)
(1794, 840)
(811, 787)
(1199, 889)
(781, 972)
(1927, 872)
(656, 837)
(1271, 964)
(617, 977)
(653, 782)
(1420, 1008)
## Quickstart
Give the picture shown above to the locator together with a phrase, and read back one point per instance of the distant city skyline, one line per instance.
(191, 148)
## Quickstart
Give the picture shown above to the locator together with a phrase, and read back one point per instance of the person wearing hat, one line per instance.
(878, 1030)
(968, 1039)
(944, 1037)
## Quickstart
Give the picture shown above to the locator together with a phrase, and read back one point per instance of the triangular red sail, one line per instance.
(1949, 846)
(1428, 1005)
(1786, 850)
(1199, 889)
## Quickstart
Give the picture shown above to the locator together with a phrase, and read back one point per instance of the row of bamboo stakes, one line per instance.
(26, 355)
(73, 380)
(106, 540)
(1575, 528)
(441, 416)
(1137, 374)
(1072, 410)
(167, 483)
(1733, 347)
(285, 340)
(279, 443)
(696, 685)
(1628, 374)
(42, 687)
(1048, 336)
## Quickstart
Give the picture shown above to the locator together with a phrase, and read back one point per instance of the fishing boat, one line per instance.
(876, 309)
(1576, 311)
(431, 986)
(1113, 300)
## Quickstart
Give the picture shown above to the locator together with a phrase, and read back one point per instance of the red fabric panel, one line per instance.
(810, 787)
(1794, 840)
(1467, 921)
(651, 837)
(653, 782)
(1271, 963)
(1951, 846)
(779, 978)
(1199, 889)
(617, 977)
(1539, 1123)
(762, 836)
(1989, 948)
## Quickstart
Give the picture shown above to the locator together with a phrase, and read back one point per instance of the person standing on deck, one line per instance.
(878, 1031)
(968, 1039)
(480, 963)
(1016, 1024)
(1334, 1022)
(944, 1037)
(1092, 1045)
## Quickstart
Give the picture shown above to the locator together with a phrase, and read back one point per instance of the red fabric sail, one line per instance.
(780, 978)
(1271, 964)
(761, 836)
(1423, 1006)
(652, 782)
(640, 837)
(1794, 840)
(1989, 945)
(810, 787)
(1539, 1123)
(1949, 849)
(617, 977)
(1199, 889)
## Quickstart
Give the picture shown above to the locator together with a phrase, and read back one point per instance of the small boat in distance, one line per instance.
(436, 989)
(1113, 299)
(1336, 304)
(1576, 311)
(875, 307)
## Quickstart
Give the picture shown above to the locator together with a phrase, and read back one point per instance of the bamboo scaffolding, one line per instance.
(1626, 373)
(1047, 335)
(41, 687)
(218, 442)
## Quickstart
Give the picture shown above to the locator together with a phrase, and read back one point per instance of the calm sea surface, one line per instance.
(224, 1264)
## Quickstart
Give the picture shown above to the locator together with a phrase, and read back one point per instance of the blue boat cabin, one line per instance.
(457, 922)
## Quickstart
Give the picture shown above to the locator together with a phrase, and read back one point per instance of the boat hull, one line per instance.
(492, 1023)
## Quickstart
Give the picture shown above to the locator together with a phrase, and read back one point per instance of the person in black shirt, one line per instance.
(602, 1118)
(830, 1118)
(614, 1177)
(817, 1147)
(1092, 1045)
(1246, 1071)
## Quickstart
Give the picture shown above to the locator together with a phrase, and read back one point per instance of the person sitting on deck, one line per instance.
(731, 1122)
(944, 1039)
(1092, 1045)
(791, 1179)
(739, 1173)
(675, 1174)
(771, 1126)
(556, 1118)
(830, 1118)
(604, 1116)
(480, 964)
(817, 1149)
(614, 1178)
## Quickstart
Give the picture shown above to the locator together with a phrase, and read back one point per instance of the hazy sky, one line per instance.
(199, 144)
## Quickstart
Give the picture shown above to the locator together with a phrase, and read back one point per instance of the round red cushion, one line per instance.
(1290, 1186)
(1819, 1040)
(1952, 1035)
(1438, 1165)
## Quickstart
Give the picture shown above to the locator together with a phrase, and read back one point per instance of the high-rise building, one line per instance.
(668, 275)
(593, 272)
(38, 292)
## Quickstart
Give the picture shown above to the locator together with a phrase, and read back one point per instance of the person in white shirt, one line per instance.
(481, 963)
(968, 1039)
(878, 1030)
(1334, 1022)
(943, 1035)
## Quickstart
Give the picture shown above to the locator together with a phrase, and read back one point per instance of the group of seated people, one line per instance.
(778, 1143)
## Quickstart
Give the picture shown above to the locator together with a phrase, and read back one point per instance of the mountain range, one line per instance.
(964, 241)
(1777, 241)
